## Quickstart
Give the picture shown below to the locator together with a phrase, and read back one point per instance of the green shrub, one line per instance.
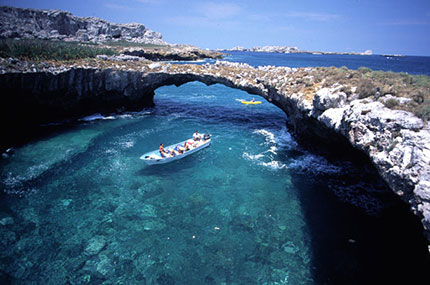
(364, 70)
(391, 103)
(422, 80)
(423, 111)
(365, 88)
(49, 50)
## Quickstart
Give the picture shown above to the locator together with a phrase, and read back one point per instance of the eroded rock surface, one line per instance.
(62, 25)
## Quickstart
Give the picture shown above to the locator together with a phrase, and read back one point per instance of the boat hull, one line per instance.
(154, 157)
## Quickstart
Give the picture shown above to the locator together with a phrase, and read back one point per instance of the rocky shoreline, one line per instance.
(396, 142)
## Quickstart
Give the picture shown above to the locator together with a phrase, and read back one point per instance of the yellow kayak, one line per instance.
(251, 102)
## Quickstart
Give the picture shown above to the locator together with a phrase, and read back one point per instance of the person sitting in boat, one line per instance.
(179, 149)
(186, 146)
(189, 144)
(163, 152)
(197, 136)
(252, 100)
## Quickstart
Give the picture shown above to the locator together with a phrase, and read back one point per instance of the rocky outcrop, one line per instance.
(276, 49)
(179, 54)
(396, 142)
(62, 25)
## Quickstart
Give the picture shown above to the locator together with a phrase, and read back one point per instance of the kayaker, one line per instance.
(252, 100)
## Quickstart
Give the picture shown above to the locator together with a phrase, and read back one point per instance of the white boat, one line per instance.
(154, 157)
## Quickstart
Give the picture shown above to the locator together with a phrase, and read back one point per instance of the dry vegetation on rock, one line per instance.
(395, 90)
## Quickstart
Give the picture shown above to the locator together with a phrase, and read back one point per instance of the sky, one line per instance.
(383, 26)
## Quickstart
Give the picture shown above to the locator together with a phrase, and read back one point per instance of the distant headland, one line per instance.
(289, 49)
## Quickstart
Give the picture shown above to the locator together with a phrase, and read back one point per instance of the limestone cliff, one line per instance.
(62, 25)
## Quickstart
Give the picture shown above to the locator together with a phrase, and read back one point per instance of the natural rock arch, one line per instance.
(396, 142)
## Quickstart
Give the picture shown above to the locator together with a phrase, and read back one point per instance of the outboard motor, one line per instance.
(206, 136)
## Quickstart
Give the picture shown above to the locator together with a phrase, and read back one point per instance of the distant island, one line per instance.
(288, 49)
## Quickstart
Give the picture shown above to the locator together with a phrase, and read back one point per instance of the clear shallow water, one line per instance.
(78, 205)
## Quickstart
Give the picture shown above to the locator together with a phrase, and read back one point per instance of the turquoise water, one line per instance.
(78, 206)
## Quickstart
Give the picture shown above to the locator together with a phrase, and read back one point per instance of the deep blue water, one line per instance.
(78, 206)
(409, 64)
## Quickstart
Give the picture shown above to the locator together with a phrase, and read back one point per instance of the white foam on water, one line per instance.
(285, 139)
(268, 135)
(315, 164)
(264, 160)
(140, 113)
(274, 139)
(252, 156)
(272, 150)
(280, 138)
(274, 164)
(277, 139)
(95, 117)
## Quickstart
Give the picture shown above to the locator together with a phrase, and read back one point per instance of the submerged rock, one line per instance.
(95, 245)
(105, 266)
(5, 221)
(153, 225)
